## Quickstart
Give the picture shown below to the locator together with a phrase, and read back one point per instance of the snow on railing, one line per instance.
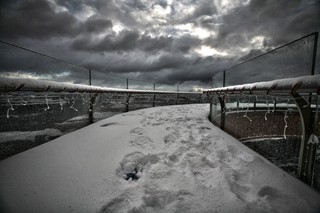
(19, 84)
(295, 88)
(304, 84)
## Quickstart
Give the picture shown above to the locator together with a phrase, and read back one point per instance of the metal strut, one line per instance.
(307, 150)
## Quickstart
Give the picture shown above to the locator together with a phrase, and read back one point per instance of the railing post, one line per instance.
(222, 105)
(127, 83)
(314, 55)
(91, 103)
(154, 96)
(127, 101)
(211, 104)
(307, 151)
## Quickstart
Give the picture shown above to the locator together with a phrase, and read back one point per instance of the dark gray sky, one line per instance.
(160, 40)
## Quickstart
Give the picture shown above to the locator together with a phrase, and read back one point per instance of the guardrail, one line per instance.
(37, 111)
(35, 64)
(300, 90)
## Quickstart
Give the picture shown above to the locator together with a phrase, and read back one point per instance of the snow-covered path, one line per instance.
(183, 162)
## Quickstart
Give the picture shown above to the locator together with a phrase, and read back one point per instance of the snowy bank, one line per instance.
(163, 159)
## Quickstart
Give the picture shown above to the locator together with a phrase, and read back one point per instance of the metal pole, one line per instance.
(127, 101)
(306, 158)
(314, 56)
(222, 105)
(91, 103)
(127, 83)
(154, 96)
(224, 78)
(92, 99)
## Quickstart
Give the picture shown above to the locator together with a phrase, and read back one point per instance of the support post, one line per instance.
(90, 77)
(154, 96)
(211, 104)
(223, 113)
(307, 151)
(314, 56)
(91, 103)
(127, 83)
(127, 101)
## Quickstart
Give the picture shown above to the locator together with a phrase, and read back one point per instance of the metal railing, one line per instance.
(35, 64)
(294, 59)
(274, 97)
(42, 97)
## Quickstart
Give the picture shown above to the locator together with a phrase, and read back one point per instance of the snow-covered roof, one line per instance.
(22, 84)
(288, 85)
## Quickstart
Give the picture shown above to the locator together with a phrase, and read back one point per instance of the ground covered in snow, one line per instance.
(163, 159)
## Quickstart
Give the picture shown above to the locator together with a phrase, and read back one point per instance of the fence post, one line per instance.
(154, 96)
(222, 105)
(127, 101)
(92, 100)
(90, 103)
(314, 55)
(211, 105)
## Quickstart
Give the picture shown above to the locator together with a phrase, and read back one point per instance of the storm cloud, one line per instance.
(161, 40)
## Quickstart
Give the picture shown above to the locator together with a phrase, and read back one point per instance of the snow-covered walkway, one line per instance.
(183, 164)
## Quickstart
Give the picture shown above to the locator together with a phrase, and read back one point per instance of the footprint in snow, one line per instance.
(137, 131)
(171, 138)
(143, 142)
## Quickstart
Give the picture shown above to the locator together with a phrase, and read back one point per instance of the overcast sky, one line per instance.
(160, 40)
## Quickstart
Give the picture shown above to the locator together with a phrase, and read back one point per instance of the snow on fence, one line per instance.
(43, 110)
(279, 109)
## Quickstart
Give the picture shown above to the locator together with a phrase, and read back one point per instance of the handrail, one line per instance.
(34, 85)
(304, 84)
